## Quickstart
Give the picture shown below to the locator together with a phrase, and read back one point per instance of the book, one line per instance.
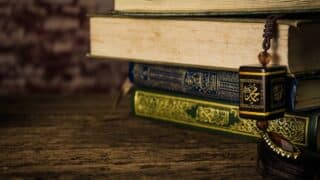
(220, 85)
(209, 7)
(205, 43)
(302, 129)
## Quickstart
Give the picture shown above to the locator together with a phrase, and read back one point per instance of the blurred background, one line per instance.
(43, 47)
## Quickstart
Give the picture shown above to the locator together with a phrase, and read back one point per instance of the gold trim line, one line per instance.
(262, 113)
(262, 73)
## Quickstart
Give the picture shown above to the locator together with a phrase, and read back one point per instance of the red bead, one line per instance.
(262, 125)
(264, 58)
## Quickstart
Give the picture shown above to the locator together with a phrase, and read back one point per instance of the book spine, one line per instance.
(218, 85)
(221, 117)
(213, 84)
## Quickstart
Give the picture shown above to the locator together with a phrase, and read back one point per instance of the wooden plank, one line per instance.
(85, 143)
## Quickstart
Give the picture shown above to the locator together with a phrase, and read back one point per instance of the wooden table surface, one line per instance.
(81, 137)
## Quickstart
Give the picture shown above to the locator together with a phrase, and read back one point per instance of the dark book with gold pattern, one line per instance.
(220, 85)
(301, 128)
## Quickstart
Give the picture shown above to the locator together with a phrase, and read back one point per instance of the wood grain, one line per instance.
(78, 137)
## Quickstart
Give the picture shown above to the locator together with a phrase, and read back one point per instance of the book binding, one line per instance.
(301, 129)
(215, 84)
(219, 85)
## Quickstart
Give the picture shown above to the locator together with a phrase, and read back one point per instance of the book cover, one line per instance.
(219, 85)
(301, 128)
(225, 43)
(209, 7)
(216, 84)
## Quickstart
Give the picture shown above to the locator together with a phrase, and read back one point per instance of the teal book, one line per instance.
(301, 128)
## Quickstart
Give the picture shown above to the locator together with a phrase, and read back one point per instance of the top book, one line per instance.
(176, 7)
(208, 43)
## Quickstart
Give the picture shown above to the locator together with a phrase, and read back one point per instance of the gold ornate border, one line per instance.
(198, 101)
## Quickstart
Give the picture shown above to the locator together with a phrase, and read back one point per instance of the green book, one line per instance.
(300, 128)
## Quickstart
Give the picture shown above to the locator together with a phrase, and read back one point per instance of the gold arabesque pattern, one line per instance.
(216, 116)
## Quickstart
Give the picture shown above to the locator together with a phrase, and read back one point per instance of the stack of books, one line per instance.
(185, 54)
